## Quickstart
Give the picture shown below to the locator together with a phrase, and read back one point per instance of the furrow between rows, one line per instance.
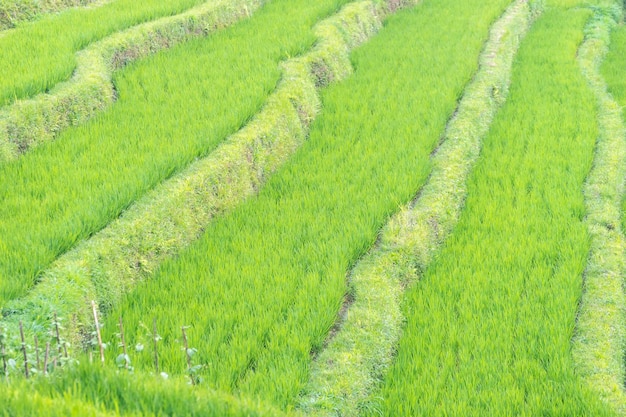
(358, 354)
(31, 122)
(600, 340)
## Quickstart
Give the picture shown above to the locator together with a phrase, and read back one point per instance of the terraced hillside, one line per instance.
(333, 208)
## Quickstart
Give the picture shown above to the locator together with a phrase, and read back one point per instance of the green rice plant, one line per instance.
(489, 326)
(173, 107)
(28, 123)
(262, 287)
(361, 349)
(12, 12)
(600, 338)
(38, 55)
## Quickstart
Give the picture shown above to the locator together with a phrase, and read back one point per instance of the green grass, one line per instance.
(67, 190)
(38, 55)
(12, 12)
(613, 70)
(489, 327)
(262, 287)
(600, 336)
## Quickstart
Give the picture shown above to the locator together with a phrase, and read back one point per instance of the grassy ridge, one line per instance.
(13, 12)
(613, 69)
(38, 55)
(600, 338)
(172, 108)
(489, 326)
(263, 286)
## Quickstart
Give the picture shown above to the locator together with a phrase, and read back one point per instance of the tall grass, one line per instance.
(262, 287)
(172, 108)
(489, 326)
(36, 56)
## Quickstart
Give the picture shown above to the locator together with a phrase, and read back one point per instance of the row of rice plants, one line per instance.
(38, 55)
(173, 107)
(13, 12)
(30, 122)
(358, 354)
(489, 326)
(263, 286)
(600, 339)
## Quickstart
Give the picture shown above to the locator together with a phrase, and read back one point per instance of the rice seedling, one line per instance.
(173, 108)
(489, 326)
(262, 287)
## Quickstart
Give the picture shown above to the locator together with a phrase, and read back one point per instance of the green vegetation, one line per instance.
(600, 340)
(13, 12)
(28, 123)
(262, 287)
(66, 190)
(38, 55)
(275, 220)
(489, 326)
(347, 370)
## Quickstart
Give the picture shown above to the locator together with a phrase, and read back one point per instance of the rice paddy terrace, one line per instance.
(312, 208)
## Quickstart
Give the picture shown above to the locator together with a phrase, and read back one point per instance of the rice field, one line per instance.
(328, 208)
